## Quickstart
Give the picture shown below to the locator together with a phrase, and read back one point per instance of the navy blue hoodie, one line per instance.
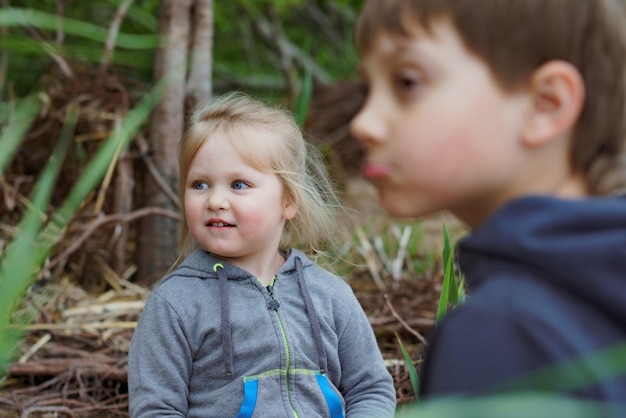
(547, 303)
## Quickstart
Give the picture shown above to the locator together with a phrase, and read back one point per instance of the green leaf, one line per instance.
(444, 297)
(19, 121)
(26, 46)
(25, 256)
(11, 16)
(515, 405)
(304, 99)
(410, 367)
(25, 253)
(449, 254)
(306, 92)
(452, 288)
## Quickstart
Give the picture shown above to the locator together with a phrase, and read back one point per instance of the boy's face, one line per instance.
(439, 132)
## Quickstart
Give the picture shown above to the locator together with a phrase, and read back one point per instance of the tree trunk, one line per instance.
(199, 87)
(158, 236)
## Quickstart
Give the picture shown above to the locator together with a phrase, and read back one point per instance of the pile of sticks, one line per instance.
(73, 357)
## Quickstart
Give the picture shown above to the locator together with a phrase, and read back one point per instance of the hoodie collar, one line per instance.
(203, 264)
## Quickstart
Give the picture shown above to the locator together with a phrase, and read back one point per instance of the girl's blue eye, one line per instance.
(199, 185)
(239, 185)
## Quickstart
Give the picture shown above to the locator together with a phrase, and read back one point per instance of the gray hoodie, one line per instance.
(213, 341)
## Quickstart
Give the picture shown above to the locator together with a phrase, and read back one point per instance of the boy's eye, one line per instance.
(405, 83)
(408, 82)
(199, 185)
(239, 185)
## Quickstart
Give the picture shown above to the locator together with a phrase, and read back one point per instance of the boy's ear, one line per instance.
(557, 96)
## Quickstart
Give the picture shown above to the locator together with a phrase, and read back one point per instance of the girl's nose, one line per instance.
(216, 200)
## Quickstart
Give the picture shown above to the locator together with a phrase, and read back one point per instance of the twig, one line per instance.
(109, 175)
(113, 32)
(119, 308)
(86, 327)
(398, 262)
(60, 35)
(286, 48)
(371, 264)
(403, 322)
(104, 220)
(34, 348)
(154, 172)
(63, 65)
(55, 410)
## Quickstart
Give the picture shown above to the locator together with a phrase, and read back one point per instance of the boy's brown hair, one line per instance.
(514, 38)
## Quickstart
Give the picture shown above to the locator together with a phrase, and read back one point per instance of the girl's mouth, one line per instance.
(218, 224)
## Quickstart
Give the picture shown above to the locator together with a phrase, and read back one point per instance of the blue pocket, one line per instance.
(250, 394)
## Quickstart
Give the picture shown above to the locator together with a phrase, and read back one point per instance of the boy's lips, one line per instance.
(375, 170)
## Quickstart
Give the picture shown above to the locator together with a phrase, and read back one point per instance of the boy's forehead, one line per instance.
(418, 42)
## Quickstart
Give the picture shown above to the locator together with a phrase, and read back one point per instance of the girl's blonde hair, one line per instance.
(268, 139)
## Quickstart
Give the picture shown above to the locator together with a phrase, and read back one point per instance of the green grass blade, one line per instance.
(578, 373)
(452, 290)
(415, 381)
(21, 260)
(448, 255)
(447, 247)
(19, 121)
(75, 51)
(444, 297)
(23, 271)
(12, 16)
(304, 99)
(518, 405)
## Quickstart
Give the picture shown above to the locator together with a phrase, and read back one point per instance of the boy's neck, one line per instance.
(569, 187)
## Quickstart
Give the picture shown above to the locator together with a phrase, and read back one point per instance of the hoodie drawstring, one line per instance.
(226, 332)
(316, 330)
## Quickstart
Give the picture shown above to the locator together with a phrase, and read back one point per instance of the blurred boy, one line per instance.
(510, 114)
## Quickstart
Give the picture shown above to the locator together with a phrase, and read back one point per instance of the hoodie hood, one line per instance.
(576, 245)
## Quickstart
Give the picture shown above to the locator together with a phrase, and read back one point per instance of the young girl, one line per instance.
(247, 326)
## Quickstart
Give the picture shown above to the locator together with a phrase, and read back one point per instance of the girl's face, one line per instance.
(233, 210)
(439, 131)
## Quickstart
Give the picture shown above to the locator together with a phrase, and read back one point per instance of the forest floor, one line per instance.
(73, 358)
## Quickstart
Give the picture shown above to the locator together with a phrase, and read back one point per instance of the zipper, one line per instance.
(273, 305)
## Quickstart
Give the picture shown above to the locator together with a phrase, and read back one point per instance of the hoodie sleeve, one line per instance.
(366, 384)
(159, 363)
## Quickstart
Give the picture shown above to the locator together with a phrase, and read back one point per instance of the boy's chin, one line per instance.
(401, 208)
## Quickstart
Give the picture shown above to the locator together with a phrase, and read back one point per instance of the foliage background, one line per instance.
(242, 59)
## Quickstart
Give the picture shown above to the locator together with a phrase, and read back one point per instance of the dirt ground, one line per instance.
(75, 364)
(73, 359)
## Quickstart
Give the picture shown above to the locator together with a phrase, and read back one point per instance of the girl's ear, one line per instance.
(290, 208)
(557, 94)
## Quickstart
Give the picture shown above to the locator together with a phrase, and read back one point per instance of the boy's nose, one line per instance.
(366, 126)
